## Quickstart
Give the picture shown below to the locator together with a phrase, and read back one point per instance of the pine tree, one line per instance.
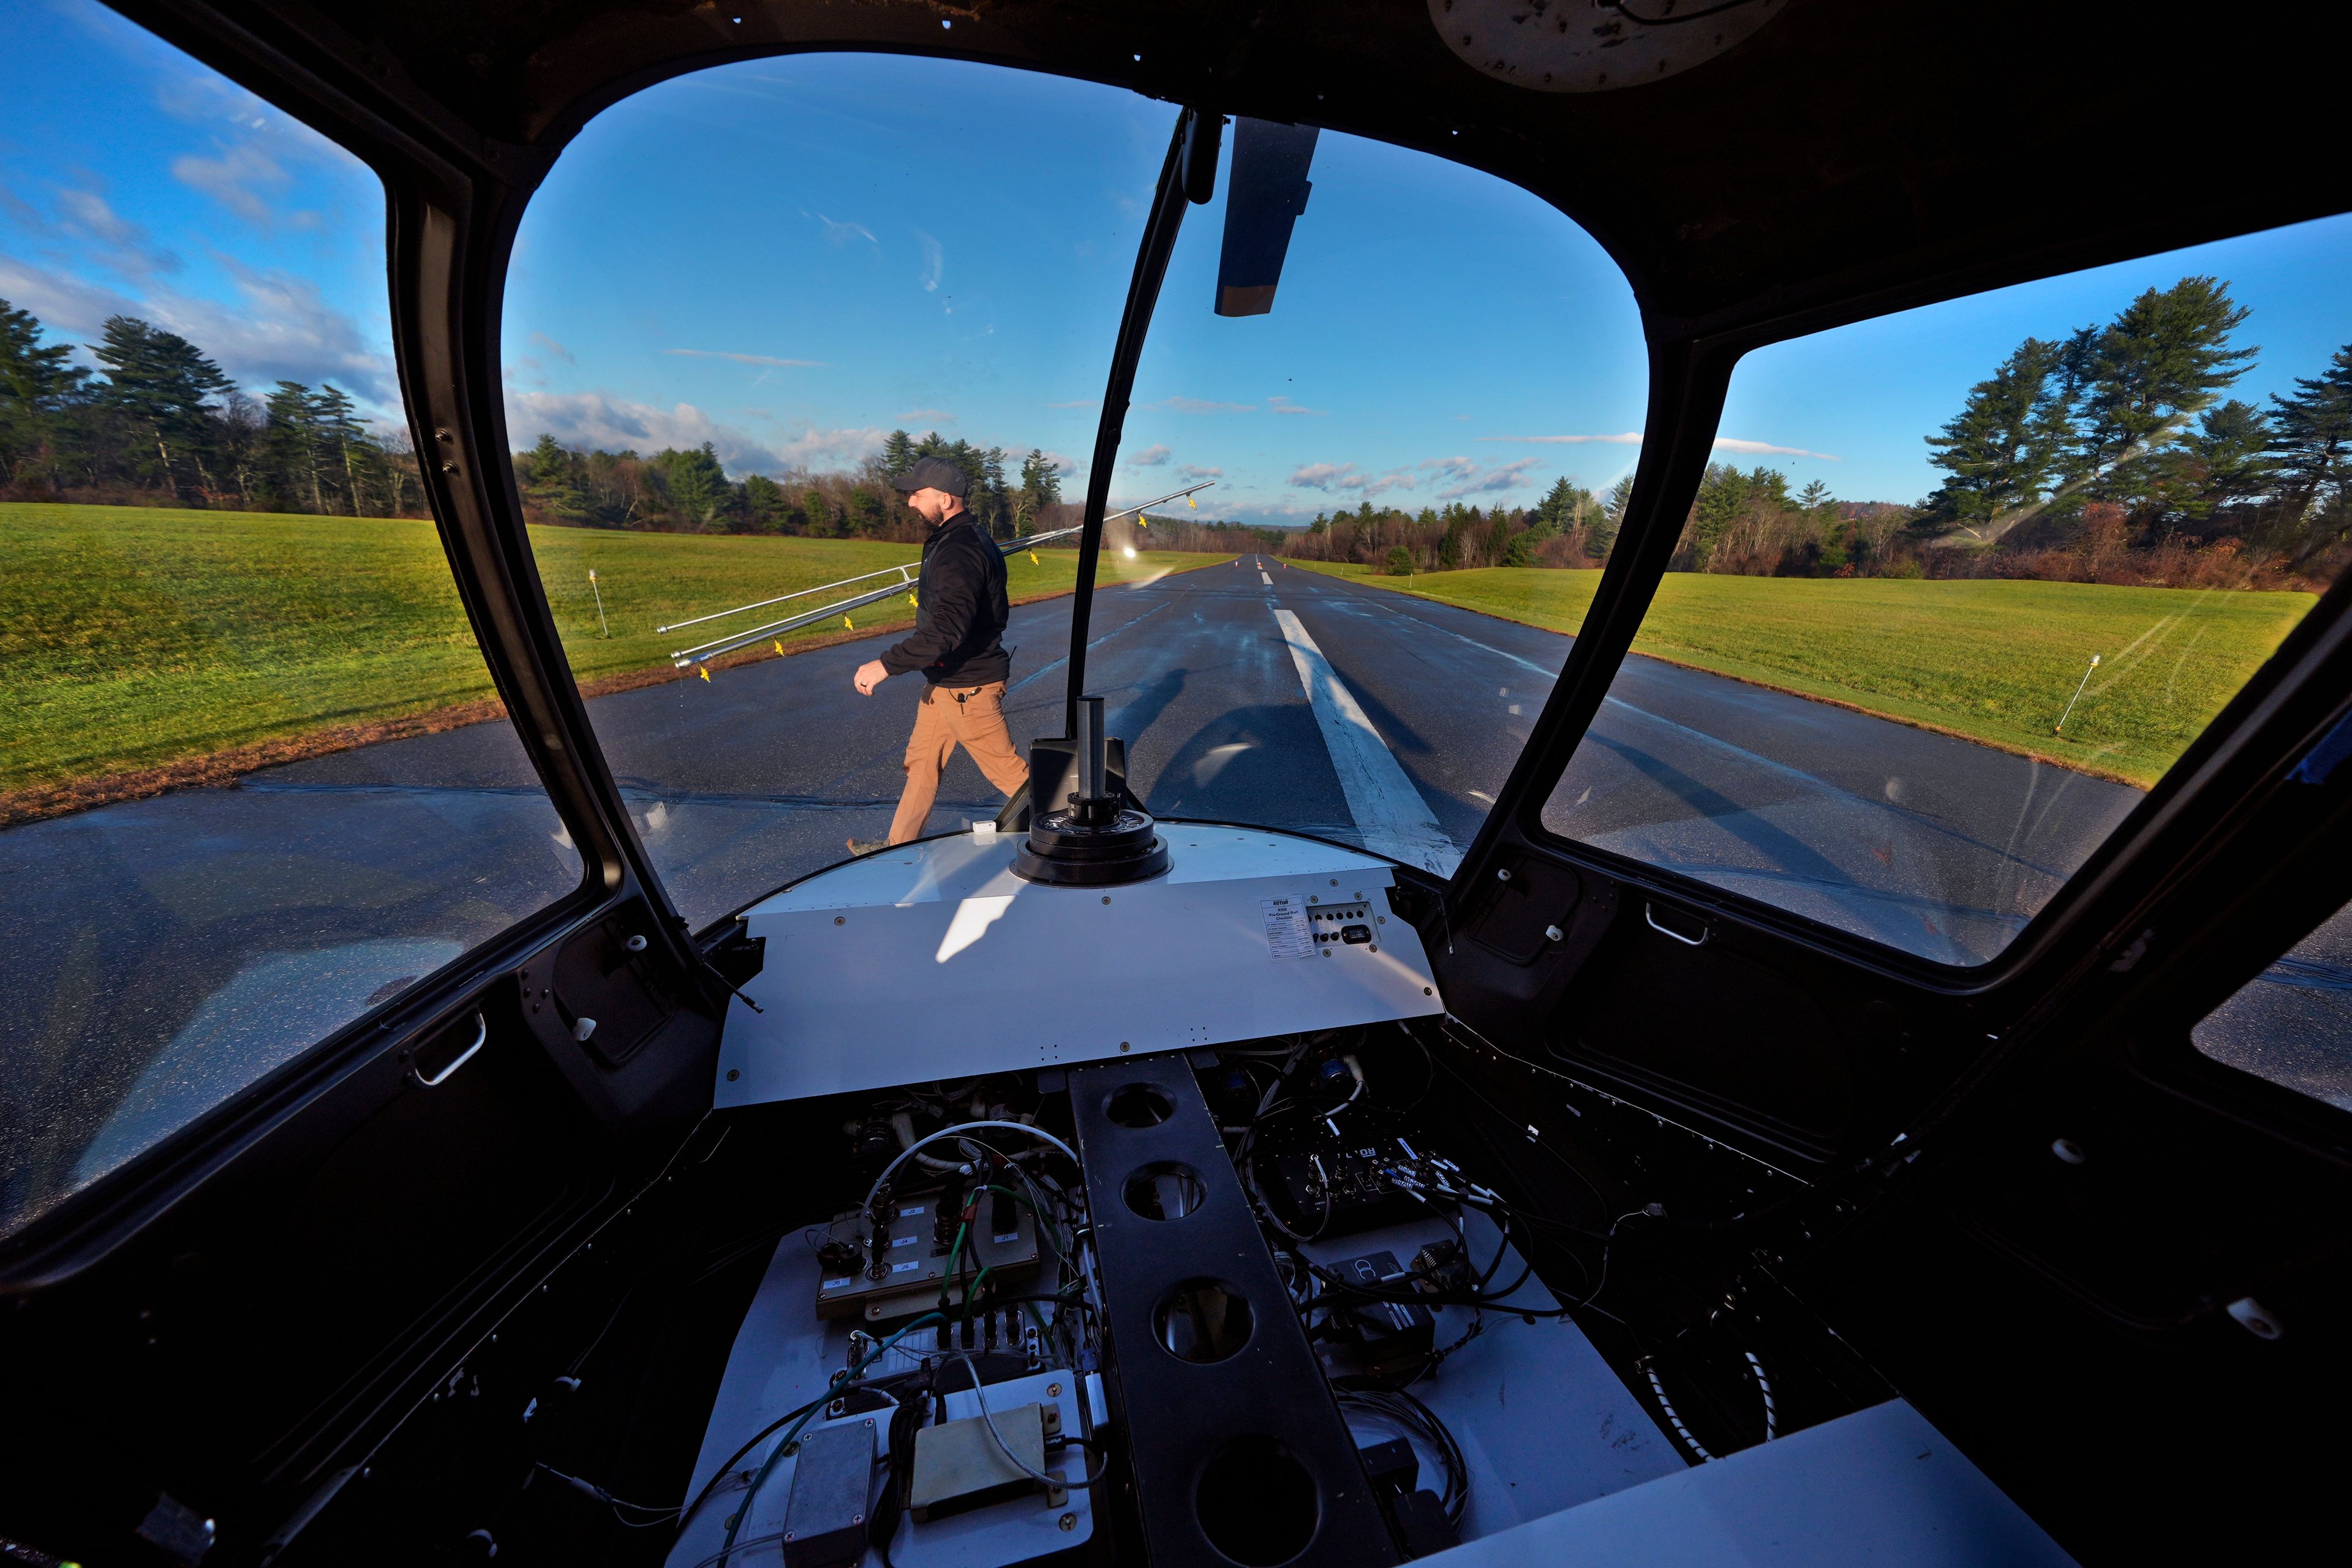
(2007, 442)
(341, 443)
(898, 452)
(2225, 461)
(763, 504)
(2164, 360)
(37, 386)
(1612, 517)
(548, 483)
(2311, 442)
(696, 483)
(159, 383)
(292, 445)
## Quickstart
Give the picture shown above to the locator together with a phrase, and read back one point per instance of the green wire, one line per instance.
(947, 1273)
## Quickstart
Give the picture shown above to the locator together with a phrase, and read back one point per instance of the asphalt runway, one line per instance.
(165, 951)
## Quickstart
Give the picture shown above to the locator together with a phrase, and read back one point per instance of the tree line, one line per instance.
(689, 492)
(1570, 527)
(161, 425)
(2112, 455)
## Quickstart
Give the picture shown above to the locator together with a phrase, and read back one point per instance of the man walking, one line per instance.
(960, 615)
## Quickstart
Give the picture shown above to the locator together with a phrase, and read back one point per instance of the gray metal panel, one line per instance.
(833, 1480)
(1879, 1488)
(928, 961)
(1181, 1414)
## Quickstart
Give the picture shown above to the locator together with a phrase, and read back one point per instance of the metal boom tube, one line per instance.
(705, 652)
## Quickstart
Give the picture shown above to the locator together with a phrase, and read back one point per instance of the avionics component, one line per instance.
(1332, 1188)
(904, 1273)
(824, 1521)
(1239, 1457)
(959, 1464)
(1372, 1335)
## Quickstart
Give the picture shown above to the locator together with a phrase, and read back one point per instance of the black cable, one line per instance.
(685, 1515)
(1394, 1404)
(905, 1421)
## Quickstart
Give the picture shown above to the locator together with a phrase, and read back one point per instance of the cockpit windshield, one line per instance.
(752, 309)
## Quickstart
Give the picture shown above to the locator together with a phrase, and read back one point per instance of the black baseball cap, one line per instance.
(934, 474)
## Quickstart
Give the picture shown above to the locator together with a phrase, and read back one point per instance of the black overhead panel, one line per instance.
(1842, 151)
(1240, 1454)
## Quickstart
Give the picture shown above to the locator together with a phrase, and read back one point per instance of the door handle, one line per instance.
(481, 1035)
(1650, 914)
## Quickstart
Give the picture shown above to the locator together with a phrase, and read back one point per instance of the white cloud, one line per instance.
(743, 359)
(1626, 438)
(1081, 403)
(933, 416)
(934, 261)
(843, 233)
(1203, 405)
(551, 346)
(1284, 406)
(1335, 476)
(253, 145)
(600, 419)
(1189, 472)
(1153, 457)
(86, 222)
(1732, 443)
(1634, 438)
(236, 180)
(1469, 476)
(280, 329)
(1061, 462)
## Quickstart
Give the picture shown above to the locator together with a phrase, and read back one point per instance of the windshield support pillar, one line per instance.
(1168, 202)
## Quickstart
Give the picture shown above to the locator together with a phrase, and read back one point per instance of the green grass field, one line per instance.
(1994, 661)
(135, 638)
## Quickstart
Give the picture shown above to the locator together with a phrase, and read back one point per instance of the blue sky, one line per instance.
(133, 180)
(788, 258)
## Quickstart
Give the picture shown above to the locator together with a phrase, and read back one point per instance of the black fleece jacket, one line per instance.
(959, 610)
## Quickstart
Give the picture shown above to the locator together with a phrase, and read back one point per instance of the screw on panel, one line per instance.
(839, 919)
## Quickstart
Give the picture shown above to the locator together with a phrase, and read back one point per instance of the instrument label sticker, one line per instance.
(1288, 934)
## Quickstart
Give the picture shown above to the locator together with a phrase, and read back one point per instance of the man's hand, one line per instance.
(869, 675)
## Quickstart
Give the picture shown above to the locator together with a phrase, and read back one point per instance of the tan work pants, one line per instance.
(942, 724)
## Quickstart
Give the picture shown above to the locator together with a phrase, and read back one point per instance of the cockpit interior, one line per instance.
(1560, 968)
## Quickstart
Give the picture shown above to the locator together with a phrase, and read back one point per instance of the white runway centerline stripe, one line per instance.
(1391, 817)
(1266, 577)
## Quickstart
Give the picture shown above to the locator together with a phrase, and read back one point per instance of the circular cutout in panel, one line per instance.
(1140, 1105)
(1256, 1503)
(1166, 1189)
(1202, 1321)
